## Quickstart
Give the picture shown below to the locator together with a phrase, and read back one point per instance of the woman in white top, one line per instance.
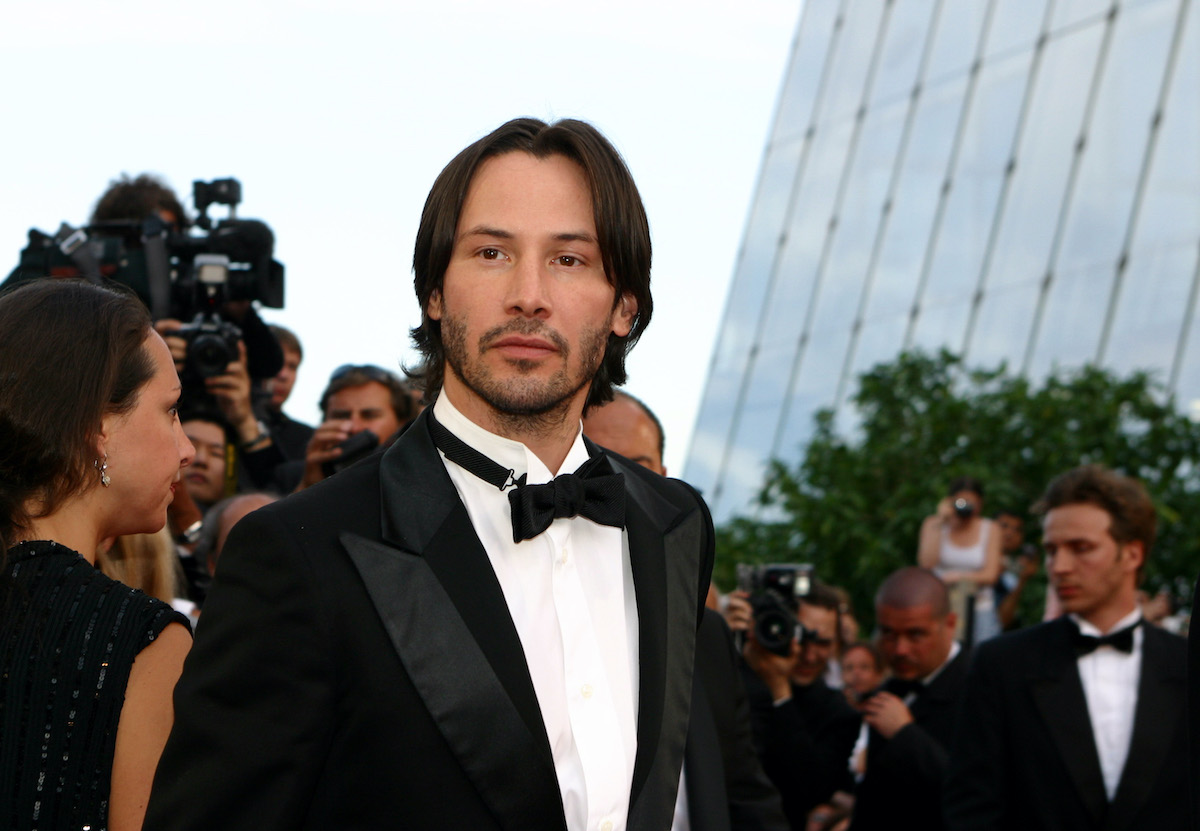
(963, 549)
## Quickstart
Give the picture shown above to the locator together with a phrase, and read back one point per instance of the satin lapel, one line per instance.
(664, 551)
(1161, 699)
(433, 586)
(1058, 694)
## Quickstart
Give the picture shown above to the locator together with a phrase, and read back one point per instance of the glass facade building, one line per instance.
(1013, 180)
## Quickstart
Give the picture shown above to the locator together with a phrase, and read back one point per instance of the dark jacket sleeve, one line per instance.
(253, 708)
(975, 783)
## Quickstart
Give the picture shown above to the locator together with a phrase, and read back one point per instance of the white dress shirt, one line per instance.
(570, 594)
(1110, 685)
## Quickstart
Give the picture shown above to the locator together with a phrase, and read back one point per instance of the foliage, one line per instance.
(854, 503)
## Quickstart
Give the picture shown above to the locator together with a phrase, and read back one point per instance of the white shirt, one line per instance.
(570, 594)
(1110, 684)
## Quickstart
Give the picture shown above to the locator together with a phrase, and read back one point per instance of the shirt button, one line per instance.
(606, 825)
(586, 691)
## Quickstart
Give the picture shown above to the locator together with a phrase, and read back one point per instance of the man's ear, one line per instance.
(433, 308)
(1134, 554)
(624, 314)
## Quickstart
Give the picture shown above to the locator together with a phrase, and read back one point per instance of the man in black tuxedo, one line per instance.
(406, 645)
(909, 723)
(723, 787)
(1079, 722)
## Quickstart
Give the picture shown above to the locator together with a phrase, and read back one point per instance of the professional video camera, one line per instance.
(774, 591)
(187, 276)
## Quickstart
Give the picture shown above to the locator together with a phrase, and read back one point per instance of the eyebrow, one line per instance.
(500, 233)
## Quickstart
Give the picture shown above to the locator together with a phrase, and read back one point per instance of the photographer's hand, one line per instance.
(322, 448)
(774, 670)
(739, 614)
(169, 327)
(886, 713)
(232, 392)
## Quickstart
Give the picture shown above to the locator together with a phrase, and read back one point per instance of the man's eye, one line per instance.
(490, 254)
(568, 260)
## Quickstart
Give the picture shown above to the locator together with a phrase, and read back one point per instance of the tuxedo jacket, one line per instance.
(357, 667)
(726, 787)
(906, 774)
(1026, 755)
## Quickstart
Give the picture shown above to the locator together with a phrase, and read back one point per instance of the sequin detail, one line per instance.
(68, 638)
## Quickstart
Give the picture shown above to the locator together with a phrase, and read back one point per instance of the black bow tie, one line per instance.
(1122, 640)
(594, 491)
(902, 687)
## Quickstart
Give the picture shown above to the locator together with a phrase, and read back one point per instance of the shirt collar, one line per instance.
(955, 648)
(506, 452)
(1088, 629)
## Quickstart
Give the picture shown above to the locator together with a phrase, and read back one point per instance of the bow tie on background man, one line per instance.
(594, 491)
(1087, 644)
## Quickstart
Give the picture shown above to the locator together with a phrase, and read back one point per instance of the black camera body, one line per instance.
(212, 344)
(163, 266)
(964, 508)
(774, 591)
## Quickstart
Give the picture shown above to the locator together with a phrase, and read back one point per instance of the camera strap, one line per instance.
(74, 244)
(158, 277)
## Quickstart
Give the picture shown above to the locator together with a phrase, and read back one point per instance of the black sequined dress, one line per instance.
(68, 638)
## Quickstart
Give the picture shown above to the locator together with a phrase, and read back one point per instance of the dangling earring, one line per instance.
(103, 468)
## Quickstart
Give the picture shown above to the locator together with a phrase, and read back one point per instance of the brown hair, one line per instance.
(137, 198)
(70, 353)
(352, 375)
(621, 226)
(287, 339)
(1124, 499)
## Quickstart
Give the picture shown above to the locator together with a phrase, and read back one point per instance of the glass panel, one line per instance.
(1170, 211)
(1074, 317)
(1071, 12)
(816, 384)
(957, 38)
(975, 189)
(1149, 317)
(808, 65)
(908, 29)
(1014, 26)
(1116, 142)
(924, 167)
(712, 429)
(810, 222)
(1044, 159)
(942, 323)
(855, 46)
(1002, 329)
(879, 340)
(764, 400)
(740, 325)
(1187, 388)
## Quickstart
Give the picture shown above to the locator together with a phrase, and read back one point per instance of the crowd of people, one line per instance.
(497, 612)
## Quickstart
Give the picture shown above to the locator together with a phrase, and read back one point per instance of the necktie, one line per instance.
(594, 491)
(1122, 640)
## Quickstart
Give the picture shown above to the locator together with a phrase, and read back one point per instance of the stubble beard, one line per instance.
(523, 404)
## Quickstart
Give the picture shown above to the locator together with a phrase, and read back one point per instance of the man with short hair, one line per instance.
(1079, 722)
(292, 436)
(358, 398)
(803, 729)
(909, 724)
(490, 625)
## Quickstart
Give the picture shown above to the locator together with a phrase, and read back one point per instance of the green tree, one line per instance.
(853, 504)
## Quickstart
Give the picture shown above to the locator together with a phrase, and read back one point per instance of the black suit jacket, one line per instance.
(1026, 756)
(726, 787)
(357, 667)
(905, 775)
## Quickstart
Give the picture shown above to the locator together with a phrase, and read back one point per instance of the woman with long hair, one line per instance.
(90, 448)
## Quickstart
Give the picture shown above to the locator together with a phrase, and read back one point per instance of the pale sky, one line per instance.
(336, 117)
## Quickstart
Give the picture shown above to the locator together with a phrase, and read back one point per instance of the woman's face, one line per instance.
(146, 449)
(858, 671)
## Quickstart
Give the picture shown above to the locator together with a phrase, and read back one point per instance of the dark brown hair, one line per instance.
(1124, 499)
(351, 375)
(621, 226)
(137, 198)
(70, 353)
(287, 339)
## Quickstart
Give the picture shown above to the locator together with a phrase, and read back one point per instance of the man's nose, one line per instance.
(527, 295)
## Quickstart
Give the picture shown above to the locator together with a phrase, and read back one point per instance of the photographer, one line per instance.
(136, 214)
(963, 548)
(804, 730)
(360, 399)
